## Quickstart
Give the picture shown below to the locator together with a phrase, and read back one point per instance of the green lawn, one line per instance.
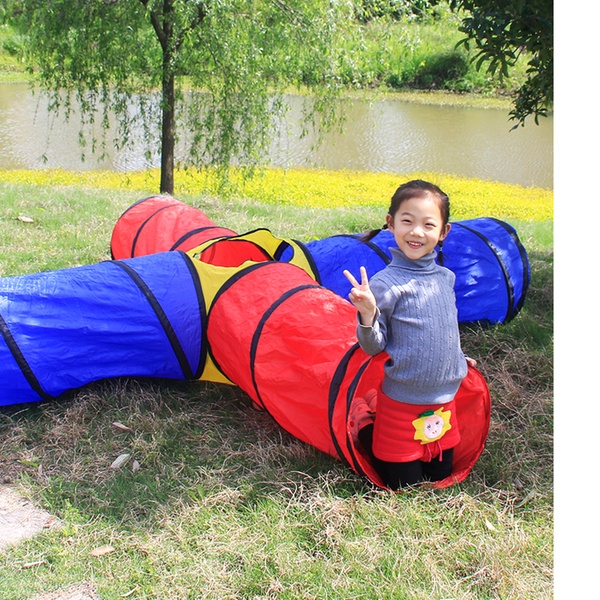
(225, 504)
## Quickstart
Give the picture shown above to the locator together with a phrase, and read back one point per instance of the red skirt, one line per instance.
(406, 432)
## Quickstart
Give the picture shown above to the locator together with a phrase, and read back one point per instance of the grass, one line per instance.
(227, 505)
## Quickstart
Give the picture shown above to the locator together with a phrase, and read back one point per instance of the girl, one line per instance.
(409, 310)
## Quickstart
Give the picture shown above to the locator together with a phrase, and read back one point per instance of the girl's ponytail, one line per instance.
(371, 234)
(440, 255)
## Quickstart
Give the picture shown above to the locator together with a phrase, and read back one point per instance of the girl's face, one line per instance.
(418, 226)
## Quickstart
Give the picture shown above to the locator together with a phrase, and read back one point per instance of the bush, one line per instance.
(438, 71)
(419, 53)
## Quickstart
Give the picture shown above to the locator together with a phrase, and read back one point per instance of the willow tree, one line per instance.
(218, 68)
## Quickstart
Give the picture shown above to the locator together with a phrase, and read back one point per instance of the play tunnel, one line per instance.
(290, 344)
(267, 327)
(490, 263)
(144, 316)
(162, 224)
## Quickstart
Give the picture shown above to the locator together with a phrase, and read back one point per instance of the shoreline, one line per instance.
(417, 96)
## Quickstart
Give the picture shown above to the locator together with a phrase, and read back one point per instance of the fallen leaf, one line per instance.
(121, 426)
(489, 525)
(24, 219)
(102, 550)
(50, 522)
(120, 461)
(136, 466)
(532, 494)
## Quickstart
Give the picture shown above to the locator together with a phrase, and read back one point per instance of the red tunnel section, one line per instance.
(290, 344)
(161, 224)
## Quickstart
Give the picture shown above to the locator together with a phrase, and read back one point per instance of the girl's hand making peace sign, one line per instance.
(362, 297)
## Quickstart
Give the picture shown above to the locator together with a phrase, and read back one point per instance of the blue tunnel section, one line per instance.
(485, 254)
(491, 267)
(60, 330)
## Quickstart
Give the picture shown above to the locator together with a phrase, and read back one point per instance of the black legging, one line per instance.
(402, 474)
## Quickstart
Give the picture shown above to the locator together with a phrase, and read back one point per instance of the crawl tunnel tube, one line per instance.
(144, 316)
(60, 330)
(490, 263)
(162, 224)
(265, 326)
(293, 350)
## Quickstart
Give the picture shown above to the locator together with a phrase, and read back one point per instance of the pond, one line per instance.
(385, 135)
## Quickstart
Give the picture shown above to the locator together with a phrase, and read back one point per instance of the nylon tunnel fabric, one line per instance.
(490, 263)
(507, 277)
(256, 246)
(60, 330)
(161, 224)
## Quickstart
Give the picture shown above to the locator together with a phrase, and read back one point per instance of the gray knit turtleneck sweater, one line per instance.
(417, 326)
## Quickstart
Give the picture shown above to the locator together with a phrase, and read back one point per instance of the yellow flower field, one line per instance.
(316, 188)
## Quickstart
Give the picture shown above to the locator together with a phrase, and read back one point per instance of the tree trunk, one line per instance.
(167, 160)
(164, 31)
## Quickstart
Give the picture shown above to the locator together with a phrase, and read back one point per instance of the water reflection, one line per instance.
(401, 137)
(386, 135)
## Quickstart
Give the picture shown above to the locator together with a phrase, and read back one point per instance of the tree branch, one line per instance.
(155, 19)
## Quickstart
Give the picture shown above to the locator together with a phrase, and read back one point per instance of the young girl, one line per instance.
(409, 310)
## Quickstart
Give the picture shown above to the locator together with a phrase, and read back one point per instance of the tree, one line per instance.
(219, 65)
(502, 30)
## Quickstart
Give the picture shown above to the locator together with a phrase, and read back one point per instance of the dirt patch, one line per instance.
(19, 518)
(79, 592)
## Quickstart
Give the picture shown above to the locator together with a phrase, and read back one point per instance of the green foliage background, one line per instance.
(416, 51)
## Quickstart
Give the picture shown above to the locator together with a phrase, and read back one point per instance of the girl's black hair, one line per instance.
(413, 189)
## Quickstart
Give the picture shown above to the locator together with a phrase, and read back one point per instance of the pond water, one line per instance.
(386, 135)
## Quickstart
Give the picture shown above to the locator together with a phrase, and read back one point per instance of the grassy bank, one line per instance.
(226, 504)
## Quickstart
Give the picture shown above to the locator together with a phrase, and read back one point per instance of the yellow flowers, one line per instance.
(315, 188)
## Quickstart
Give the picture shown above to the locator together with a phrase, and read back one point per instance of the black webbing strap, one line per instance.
(22, 361)
(146, 221)
(524, 260)
(258, 331)
(162, 318)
